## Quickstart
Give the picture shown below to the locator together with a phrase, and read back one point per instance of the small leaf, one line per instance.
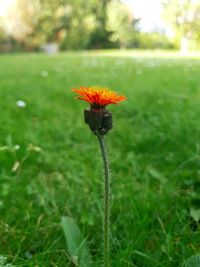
(195, 214)
(77, 246)
(15, 166)
(193, 261)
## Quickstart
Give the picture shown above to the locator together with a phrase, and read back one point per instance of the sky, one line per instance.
(150, 12)
(4, 5)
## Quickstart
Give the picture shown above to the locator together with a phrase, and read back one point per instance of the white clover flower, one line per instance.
(3, 260)
(21, 104)
(17, 147)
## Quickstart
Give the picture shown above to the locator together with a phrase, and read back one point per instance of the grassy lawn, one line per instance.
(154, 151)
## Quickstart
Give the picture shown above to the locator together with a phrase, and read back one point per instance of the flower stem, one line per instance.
(106, 223)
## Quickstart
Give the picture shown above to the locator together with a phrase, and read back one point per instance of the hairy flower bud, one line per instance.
(99, 120)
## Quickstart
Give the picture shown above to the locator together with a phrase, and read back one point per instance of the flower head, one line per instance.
(98, 97)
(97, 117)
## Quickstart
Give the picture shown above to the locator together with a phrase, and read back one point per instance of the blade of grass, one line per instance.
(193, 261)
(77, 246)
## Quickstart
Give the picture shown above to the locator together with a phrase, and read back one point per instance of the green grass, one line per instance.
(154, 150)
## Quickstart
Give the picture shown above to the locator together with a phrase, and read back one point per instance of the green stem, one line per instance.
(106, 223)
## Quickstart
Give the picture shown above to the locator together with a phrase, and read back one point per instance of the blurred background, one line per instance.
(56, 25)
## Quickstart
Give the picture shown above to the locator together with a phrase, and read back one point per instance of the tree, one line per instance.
(184, 17)
(21, 18)
(35, 22)
(100, 35)
(65, 21)
(2, 32)
(72, 24)
(120, 22)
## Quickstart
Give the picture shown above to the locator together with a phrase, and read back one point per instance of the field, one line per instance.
(50, 162)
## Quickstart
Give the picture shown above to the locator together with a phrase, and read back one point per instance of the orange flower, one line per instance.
(98, 97)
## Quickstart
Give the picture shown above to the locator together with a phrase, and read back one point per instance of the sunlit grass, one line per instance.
(154, 150)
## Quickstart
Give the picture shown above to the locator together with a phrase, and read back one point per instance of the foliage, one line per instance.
(43, 21)
(184, 17)
(120, 23)
(72, 25)
(1, 30)
(150, 41)
(22, 19)
(65, 22)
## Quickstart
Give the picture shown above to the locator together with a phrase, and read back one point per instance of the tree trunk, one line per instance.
(184, 45)
(123, 45)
